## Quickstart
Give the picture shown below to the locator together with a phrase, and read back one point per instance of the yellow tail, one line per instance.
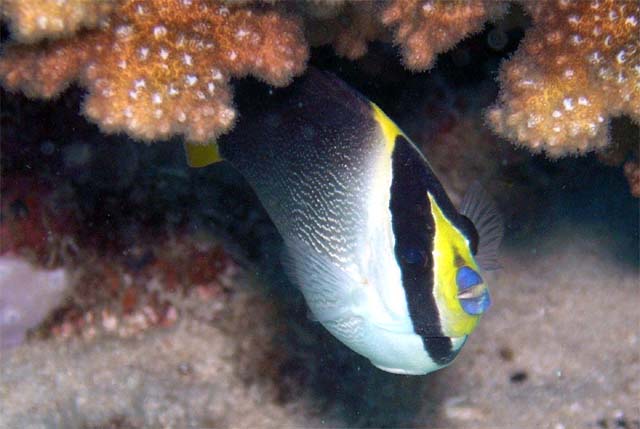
(201, 155)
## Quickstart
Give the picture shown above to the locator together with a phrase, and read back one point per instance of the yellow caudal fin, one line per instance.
(201, 155)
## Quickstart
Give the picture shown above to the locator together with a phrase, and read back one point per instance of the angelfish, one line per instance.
(385, 261)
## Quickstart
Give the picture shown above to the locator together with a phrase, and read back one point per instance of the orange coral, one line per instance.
(155, 68)
(348, 26)
(46, 70)
(632, 172)
(578, 65)
(162, 67)
(35, 19)
(425, 28)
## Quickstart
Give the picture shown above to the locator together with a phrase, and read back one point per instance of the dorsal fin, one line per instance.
(479, 207)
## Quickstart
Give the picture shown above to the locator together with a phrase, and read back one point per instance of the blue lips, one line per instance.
(472, 292)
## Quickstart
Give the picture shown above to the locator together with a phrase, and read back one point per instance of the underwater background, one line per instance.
(136, 291)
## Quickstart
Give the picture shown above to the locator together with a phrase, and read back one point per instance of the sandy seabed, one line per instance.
(559, 349)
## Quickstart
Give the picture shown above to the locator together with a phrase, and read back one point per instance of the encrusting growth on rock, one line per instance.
(32, 20)
(162, 67)
(578, 65)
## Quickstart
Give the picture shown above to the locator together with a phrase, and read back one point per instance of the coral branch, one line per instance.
(32, 20)
(425, 28)
(349, 27)
(157, 68)
(162, 67)
(48, 69)
(578, 65)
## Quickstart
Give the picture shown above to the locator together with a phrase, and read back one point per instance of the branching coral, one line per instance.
(46, 70)
(35, 19)
(422, 28)
(578, 65)
(427, 28)
(349, 27)
(157, 68)
(162, 67)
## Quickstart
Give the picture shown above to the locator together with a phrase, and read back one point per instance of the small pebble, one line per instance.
(185, 368)
(457, 408)
(506, 353)
(518, 377)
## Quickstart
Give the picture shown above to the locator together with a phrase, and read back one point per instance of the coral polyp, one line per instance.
(159, 68)
(578, 66)
(32, 20)
(426, 28)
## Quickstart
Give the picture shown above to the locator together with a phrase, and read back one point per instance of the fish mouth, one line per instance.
(475, 300)
(473, 292)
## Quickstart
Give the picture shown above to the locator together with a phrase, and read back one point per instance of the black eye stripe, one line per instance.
(414, 228)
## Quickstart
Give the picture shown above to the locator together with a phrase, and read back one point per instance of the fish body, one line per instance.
(384, 260)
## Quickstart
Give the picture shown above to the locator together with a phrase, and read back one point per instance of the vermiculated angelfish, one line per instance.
(385, 261)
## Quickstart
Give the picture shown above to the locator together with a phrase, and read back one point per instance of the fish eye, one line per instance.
(472, 291)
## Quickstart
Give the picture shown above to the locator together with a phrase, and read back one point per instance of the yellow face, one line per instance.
(459, 291)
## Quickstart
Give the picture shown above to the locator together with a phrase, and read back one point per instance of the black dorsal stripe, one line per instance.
(413, 227)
